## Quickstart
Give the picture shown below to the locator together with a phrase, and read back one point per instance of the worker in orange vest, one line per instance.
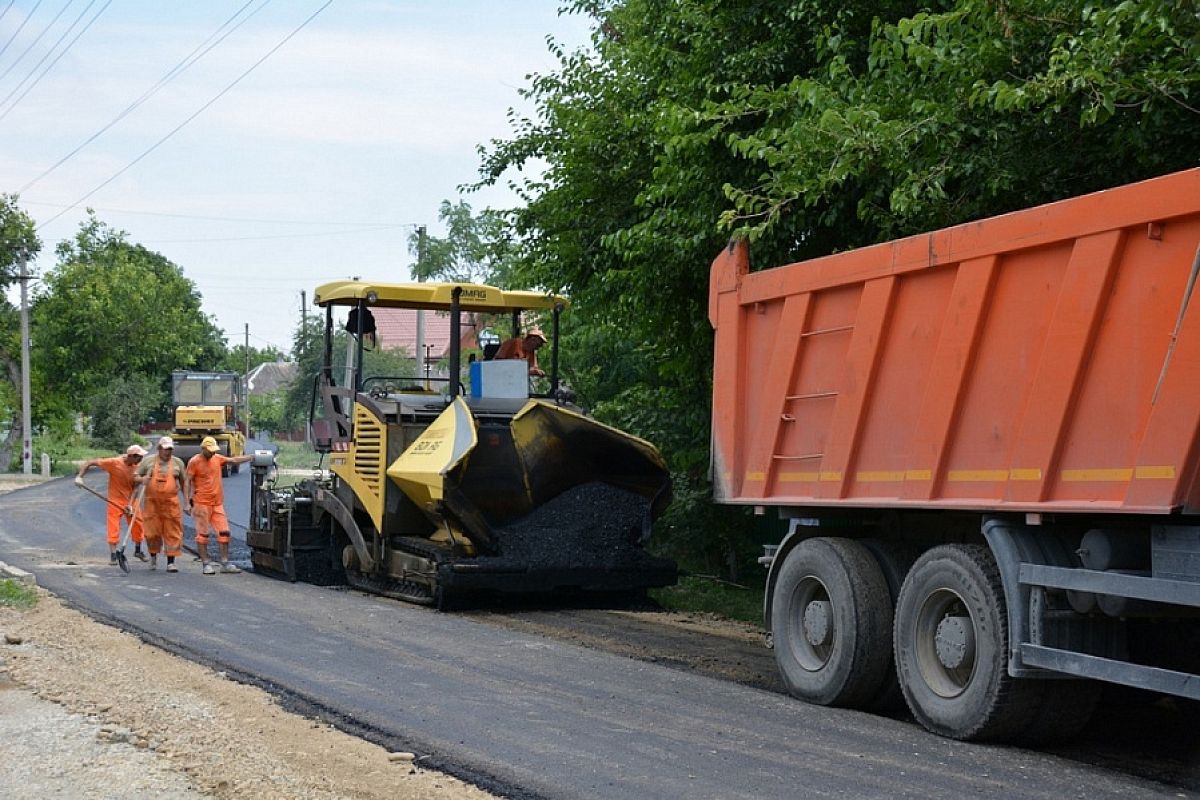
(165, 481)
(525, 347)
(120, 471)
(206, 499)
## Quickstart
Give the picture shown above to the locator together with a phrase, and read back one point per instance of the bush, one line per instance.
(63, 447)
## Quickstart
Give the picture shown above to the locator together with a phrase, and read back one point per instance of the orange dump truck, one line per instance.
(987, 442)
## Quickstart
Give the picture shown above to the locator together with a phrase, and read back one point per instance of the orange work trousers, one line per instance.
(210, 518)
(114, 526)
(164, 527)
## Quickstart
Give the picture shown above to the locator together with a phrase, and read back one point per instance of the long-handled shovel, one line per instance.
(129, 519)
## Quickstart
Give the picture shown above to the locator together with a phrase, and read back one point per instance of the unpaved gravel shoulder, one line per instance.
(126, 719)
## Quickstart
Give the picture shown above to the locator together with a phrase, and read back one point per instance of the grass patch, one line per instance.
(290, 479)
(64, 451)
(714, 596)
(16, 595)
(296, 455)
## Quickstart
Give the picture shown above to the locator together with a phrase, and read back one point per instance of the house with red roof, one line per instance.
(396, 329)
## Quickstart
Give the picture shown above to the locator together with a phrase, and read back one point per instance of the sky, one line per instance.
(315, 165)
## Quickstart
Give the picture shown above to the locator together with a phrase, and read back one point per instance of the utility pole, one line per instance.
(303, 348)
(26, 432)
(303, 323)
(419, 350)
(246, 382)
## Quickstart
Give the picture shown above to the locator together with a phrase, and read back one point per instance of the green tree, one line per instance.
(308, 348)
(942, 117)
(237, 357)
(308, 343)
(110, 310)
(120, 406)
(18, 239)
(475, 249)
(268, 411)
(813, 126)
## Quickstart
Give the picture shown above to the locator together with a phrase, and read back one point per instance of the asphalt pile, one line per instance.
(593, 524)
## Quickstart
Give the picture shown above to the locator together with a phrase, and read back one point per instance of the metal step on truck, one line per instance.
(986, 441)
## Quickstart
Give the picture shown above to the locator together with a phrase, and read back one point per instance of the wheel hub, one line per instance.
(817, 628)
(955, 641)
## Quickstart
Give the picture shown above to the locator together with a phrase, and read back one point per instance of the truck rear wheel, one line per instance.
(951, 639)
(831, 623)
(1067, 707)
(895, 559)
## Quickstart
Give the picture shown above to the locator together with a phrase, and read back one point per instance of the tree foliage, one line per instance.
(120, 406)
(307, 350)
(475, 248)
(812, 126)
(268, 412)
(17, 236)
(110, 310)
(241, 359)
(18, 239)
(940, 117)
(308, 346)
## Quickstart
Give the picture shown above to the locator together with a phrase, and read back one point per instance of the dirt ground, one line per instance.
(224, 739)
(187, 731)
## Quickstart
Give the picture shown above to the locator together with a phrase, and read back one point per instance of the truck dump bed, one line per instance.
(1044, 360)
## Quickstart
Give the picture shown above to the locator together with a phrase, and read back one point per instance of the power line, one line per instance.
(20, 27)
(4, 13)
(36, 39)
(223, 219)
(171, 74)
(197, 113)
(61, 53)
(274, 236)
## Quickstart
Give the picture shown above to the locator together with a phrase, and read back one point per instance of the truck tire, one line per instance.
(831, 622)
(895, 559)
(1066, 708)
(951, 639)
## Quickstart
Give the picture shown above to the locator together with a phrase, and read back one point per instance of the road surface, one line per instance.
(513, 712)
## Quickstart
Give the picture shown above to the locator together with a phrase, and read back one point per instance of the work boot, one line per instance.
(138, 554)
(154, 561)
(229, 568)
(112, 557)
(209, 569)
(171, 567)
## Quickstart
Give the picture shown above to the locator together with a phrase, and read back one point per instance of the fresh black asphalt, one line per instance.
(517, 714)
